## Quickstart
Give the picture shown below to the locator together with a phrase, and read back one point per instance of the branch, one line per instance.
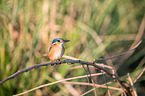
(139, 75)
(41, 86)
(102, 59)
(93, 89)
(87, 92)
(52, 63)
(116, 78)
(91, 84)
(131, 83)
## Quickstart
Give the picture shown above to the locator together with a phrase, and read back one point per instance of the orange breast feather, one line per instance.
(55, 52)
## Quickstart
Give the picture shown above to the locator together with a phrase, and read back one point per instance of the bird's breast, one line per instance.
(56, 52)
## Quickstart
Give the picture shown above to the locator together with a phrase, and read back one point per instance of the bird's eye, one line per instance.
(58, 40)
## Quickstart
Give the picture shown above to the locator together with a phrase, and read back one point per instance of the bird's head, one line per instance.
(59, 41)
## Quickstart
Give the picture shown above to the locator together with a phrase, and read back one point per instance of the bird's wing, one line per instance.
(50, 48)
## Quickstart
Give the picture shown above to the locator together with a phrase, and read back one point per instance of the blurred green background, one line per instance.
(96, 28)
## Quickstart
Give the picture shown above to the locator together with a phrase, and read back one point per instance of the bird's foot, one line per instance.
(54, 64)
(58, 62)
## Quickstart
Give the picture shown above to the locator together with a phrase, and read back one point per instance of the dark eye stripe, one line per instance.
(58, 40)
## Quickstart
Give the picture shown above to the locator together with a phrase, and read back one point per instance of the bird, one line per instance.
(56, 49)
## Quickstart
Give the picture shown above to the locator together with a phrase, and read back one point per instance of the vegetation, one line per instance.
(96, 28)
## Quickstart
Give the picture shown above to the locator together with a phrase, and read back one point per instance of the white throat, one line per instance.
(61, 44)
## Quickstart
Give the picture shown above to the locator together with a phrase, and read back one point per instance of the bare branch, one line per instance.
(94, 88)
(73, 61)
(102, 59)
(41, 86)
(139, 75)
(87, 92)
(131, 83)
(91, 84)
(51, 63)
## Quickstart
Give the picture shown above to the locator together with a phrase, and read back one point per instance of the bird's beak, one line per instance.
(66, 40)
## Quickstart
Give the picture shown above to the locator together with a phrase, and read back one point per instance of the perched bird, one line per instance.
(56, 50)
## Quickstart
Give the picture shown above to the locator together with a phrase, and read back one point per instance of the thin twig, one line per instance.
(91, 80)
(97, 85)
(99, 64)
(102, 59)
(130, 80)
(139, 75)
(93, 89)
(85, 72)
(94, 86)
(106, 85)
(87, 92)
(41, 86)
